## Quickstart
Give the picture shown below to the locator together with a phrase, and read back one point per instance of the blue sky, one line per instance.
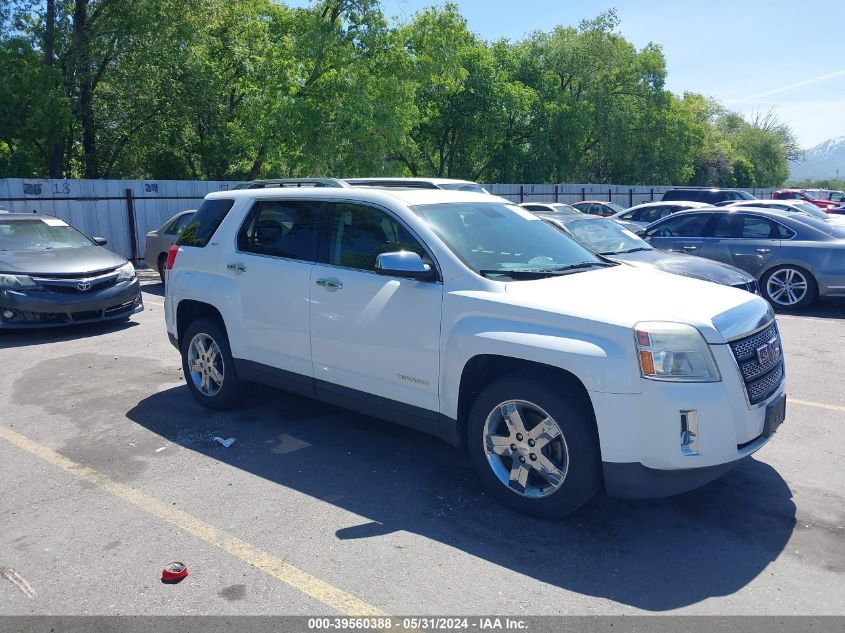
(749, 54)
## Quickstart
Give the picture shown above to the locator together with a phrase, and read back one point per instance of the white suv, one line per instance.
(468, 317)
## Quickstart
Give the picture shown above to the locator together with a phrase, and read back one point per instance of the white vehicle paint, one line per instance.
(406, 349)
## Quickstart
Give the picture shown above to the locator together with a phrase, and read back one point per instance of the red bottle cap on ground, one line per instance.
(174, 571)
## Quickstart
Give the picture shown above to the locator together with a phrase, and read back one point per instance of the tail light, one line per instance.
(171, 256)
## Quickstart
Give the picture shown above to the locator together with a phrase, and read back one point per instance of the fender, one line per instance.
(600, 363)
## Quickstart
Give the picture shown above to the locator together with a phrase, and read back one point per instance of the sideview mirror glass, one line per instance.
(642, 233)
(403, 264)
(100, 241)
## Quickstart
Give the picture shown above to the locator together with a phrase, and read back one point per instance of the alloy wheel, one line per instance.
(526, 448)
(206, 364)
(787, 287)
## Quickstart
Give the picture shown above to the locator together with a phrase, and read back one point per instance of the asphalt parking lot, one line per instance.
(109, 471)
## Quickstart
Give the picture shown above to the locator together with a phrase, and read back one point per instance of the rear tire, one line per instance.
(162, 261)
(208, 365)
(789, 287)
(534, 444)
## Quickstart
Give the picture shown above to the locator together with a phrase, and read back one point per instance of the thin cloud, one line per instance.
(800, 84)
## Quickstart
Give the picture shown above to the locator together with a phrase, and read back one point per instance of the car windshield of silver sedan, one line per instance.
(38, 234)
(607, 237)
(502, 240)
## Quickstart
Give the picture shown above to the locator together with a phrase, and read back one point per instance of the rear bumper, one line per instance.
(39, 309)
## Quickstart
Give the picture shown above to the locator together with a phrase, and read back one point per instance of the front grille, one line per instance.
(69, 285)
(73, 289)
(760, 377)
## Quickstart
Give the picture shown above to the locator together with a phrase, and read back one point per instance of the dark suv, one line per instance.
(708, 196)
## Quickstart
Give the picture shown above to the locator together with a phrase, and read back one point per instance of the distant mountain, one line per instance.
(822, 161)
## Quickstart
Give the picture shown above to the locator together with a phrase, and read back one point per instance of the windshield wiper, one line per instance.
(539, 273)
(630, 250)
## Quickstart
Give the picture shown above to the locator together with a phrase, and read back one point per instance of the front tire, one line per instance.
(789, 287)
(534, 445)
(208, 365)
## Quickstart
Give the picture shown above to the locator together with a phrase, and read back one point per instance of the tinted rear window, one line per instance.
(205, 222)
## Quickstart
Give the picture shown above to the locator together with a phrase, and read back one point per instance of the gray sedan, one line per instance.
(52, 275)
(608, 238)
(795, 258)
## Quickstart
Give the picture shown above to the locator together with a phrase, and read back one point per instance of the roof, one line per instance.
(27, 216)
(378, 196)
(410, 181)
(572, 204)
(670, 203)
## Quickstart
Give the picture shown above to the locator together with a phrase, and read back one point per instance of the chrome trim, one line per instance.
(778, 390)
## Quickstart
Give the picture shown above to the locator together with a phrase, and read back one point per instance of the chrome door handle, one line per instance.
(690, 248)
(334, 284)
(236, 268)
(763, 251)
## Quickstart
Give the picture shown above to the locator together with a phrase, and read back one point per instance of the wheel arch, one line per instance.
(189, 311)
(482, 369)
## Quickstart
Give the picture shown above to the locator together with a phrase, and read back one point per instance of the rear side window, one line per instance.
(281, 228)
(205, 222)
(756, 227)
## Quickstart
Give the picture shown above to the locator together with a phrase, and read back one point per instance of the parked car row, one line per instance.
(549, 342)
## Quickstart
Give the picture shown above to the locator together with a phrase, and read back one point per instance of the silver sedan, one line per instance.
(795, 258)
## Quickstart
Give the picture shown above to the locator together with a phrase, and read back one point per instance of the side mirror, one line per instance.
(404, 264)
(642, 233)
(100, 241)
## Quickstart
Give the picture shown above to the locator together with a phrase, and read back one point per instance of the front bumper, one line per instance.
(42, 309)
(640, 434)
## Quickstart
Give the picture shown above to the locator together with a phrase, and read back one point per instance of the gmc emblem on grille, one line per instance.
(84, 285)
(768, 352)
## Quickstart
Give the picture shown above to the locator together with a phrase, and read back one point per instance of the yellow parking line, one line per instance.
(277, 568)
(820, 405)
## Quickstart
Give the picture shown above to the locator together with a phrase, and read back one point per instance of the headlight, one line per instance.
(674, 351)
(127, 271)
(17, 282)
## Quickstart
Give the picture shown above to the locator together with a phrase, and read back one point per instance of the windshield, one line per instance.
(811, 209)
(745, 195)
(618, 208)
(606, 236)
(37, 234)
(463, 186)
(497, 237)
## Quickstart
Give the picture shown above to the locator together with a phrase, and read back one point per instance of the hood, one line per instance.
(60, 261)
(687, 265)
(625, 295)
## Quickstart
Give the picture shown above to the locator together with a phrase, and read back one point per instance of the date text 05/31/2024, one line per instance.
(417, 624)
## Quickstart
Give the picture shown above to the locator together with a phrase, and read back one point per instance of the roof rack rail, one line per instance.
(292, 182)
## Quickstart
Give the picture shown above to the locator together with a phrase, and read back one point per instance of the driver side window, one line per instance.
(358, 234)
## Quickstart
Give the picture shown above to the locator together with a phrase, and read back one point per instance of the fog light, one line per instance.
(689, 432)
(8, 314)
